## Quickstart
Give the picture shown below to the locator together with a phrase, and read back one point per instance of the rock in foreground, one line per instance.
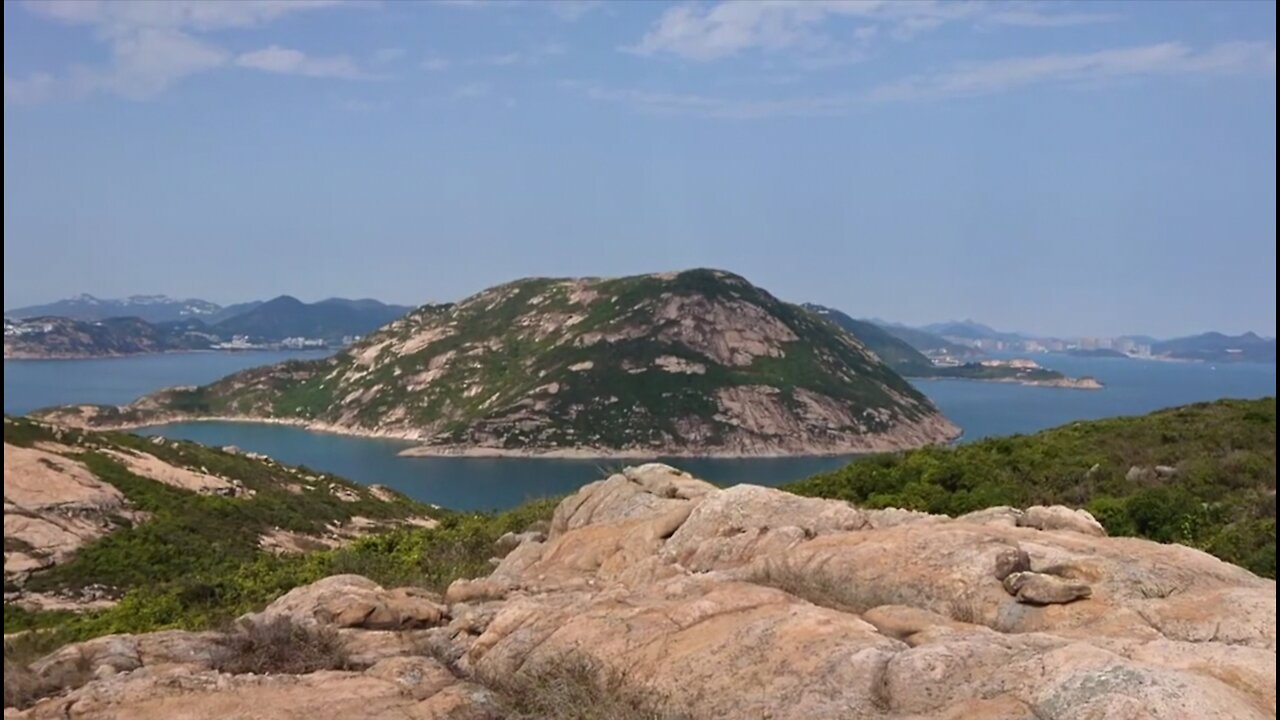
(683, 600)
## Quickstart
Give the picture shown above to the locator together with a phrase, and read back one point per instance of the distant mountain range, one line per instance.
(287, 316)
(699, 362)
(191, 324)
(1216, 347)
(970, 330)
(963, 339)
(152, 308)
(910, 361)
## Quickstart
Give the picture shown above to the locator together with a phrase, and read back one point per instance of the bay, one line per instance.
(34, 384)
(981, 409)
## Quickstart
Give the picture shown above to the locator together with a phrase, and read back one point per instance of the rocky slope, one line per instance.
(89, 517)
(151, 308)
(699, 362)
(60, 337)
(655, 595)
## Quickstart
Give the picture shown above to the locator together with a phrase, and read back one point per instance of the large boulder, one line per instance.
(352, 601)
(750, 602)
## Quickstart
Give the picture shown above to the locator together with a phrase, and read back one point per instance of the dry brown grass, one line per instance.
(281, 646)
(24, 686)
(576, 687)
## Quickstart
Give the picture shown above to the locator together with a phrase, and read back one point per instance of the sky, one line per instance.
(1068, 168)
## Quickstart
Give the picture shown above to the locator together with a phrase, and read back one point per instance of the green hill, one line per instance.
(1217, 347)
(330, 319)
(696, 362)
(1203, 475)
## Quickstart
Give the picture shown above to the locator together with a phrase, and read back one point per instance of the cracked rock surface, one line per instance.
(750, 602)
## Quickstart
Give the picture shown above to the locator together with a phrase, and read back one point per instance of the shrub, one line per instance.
(576, 687)
(1218, 497)
(23, 686)
(281, 646)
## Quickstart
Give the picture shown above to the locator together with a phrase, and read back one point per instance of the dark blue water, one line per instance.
(33, 384)
(982, 409)
(1132, 387)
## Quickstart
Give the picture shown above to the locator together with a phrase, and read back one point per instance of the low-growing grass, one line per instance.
(195, 562)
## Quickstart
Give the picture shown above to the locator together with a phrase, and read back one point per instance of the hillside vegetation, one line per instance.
(697, 362)
(165, 556)
(1203, 475)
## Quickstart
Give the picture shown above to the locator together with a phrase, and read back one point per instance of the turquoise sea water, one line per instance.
(981, 409)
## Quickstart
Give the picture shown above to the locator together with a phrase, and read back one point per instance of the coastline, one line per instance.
(123, 356)
(946, 431)
(1065, 383)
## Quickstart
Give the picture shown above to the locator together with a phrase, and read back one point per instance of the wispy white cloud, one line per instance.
(1034, 18)
(725, 29)
(152, 44)
(288, 61)
(435, 64)
(34, 89)
(961, 80)
(804, 28)
(713, 106)
(998, 76)
(128, 15)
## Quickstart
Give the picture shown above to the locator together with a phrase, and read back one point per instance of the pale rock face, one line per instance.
(52, 505)
(750, 602)
(1061, 518)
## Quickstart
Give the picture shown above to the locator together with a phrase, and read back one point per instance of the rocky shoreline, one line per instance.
(932, 431)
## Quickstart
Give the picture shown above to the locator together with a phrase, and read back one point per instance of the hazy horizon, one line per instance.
(1064, 169)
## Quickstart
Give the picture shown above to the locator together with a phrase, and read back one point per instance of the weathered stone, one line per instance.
(1041, 589)
(1057, 517)
(1011, 560)
(749, 602)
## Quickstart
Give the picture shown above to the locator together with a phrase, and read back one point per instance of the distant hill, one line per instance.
(968, 330)
(907, 360)
(896, 352)
(152, 308)
(699, 362)
(927, 342)
(330, 319)
(263, 322)
(1217, 347)
(229, 311)
(60, 337)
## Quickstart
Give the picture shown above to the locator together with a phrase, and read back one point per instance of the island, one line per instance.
(905, 358)
(692, 363)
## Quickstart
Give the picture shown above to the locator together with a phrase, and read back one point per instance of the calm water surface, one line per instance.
(982, 409)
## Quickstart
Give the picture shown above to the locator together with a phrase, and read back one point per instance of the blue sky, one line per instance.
(1085, 168)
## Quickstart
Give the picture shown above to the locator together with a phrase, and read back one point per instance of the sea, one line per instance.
(981, 409)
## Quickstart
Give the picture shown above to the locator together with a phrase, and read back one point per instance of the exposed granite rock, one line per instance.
(750, 602)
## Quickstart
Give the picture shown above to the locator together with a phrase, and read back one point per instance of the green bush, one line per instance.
(1219, 496)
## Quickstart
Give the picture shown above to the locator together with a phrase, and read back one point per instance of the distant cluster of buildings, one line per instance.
(18, 328)
(1126, 345)
(245, 342)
